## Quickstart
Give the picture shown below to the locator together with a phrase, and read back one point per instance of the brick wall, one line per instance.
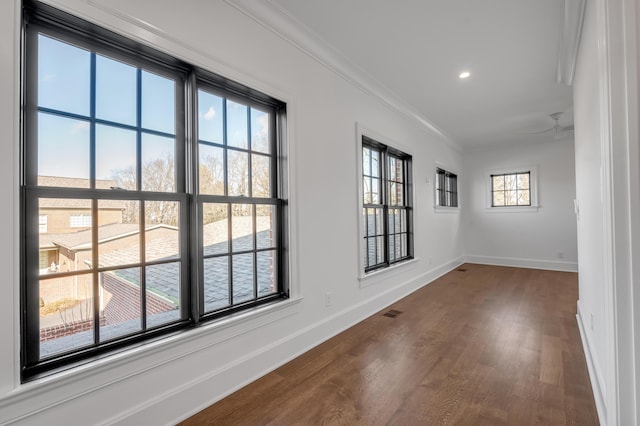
(61, 330)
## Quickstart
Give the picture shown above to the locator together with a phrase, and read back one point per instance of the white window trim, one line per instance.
(533, 189)
(373, 277)
(436, 207)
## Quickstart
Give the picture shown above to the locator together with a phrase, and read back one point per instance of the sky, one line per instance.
(64, 81)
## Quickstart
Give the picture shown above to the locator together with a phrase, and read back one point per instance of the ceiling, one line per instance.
(416, 49)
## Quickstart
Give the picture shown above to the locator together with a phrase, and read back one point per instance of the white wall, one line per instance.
(589, 195)
(608, 191)
(164, 381)
(543, 238)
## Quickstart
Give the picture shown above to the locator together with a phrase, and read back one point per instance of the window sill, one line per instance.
(446, 209)
(380, 275)
(522, 209)
(135, 360)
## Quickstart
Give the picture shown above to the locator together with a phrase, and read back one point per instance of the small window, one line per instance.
(511, 189)
(79, 221)
(42, 223)
(386, 206)
(446, 188)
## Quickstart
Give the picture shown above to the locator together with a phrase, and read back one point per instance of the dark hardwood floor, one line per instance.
(482, 345)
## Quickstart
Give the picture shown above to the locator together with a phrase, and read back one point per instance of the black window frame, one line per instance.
(387, 230)
(40, 18)
(517, 190)
(446, 188)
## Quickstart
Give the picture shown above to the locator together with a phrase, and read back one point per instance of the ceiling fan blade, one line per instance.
(543, 131)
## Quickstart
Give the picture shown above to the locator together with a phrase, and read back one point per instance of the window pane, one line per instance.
(393, 194)
(64, 77)
(158, 103)
(242, 227)
(116, 91)
(498, 183)
(216, 283)
(211, 169)
(379, 222)
(260, 175)
(265, 226)
(523, 181)
(393, 169)
(523, 198)
(215, 229)
(498, 198)
(63, 151)
(210, 118)
(118, 232)
(66, 313)
(379, 249)
(158, 164)
(509, 182)
(237, 132)
(371, 222)
(371, 251)
(392, 248)
(375, 191)
(399, 188)
(242, 278)
(162, 237)
(375, 163)
(266, 262)
(403, 245)
(366, 187)
(366, 161)
(260, 131)
(163, 293)
(510, 198)
(116, 156)
(238, 172)
(392, 221)
(120, 303)
(68, 249)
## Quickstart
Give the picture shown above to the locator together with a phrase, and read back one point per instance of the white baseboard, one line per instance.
(187, 400)
(597, 384)
(552, 265)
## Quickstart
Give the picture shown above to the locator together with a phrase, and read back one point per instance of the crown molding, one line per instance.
(277, 20)
(573, 16)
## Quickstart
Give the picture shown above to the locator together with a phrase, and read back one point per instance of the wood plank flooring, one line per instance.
(484, 346)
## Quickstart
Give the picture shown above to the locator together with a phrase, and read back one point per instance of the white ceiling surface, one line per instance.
(416, 49)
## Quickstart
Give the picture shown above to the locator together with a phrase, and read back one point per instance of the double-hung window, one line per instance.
(161, 189)
(386, 205)
(446, 188)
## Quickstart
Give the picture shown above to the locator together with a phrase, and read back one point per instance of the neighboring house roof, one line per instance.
(82, 239)
(163, 279)
(72, 203)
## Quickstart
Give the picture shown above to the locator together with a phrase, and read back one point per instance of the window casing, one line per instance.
(446, 188)
(177, 173)
(386, 206)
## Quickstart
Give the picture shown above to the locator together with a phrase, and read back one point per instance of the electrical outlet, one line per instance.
(328, 299)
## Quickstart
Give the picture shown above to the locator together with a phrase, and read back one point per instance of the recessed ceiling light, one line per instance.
(465, 74)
